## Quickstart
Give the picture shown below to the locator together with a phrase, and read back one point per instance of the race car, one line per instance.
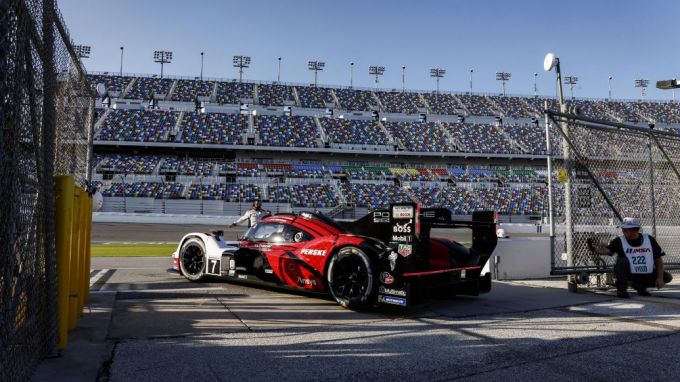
(386, 257)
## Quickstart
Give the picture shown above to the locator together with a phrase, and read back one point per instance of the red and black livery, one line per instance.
(386, 257)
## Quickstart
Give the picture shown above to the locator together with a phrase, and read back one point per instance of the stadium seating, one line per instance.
(213, 128)
(307, 171)
(480, 138)
(274, 95)
(478, 105)
(351, 99)
(416, 136)
(660, 112)
(528, 136)
(188, 90)
(145, 87)
(314, 97)
(344, 131)
(305, 195)
(126, 164)
(443, 103)
(188, 167)
(398, 102)
(375, 195)
(515, 107)
(295, 131)
(137, 125)
(234, 92)
(112, 83)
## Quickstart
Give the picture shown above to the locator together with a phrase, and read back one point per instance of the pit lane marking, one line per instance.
(94, 279)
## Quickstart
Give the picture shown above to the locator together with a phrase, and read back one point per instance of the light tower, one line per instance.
(437, 73)
(642, 84)
(571, 81)
(376, 71)
(162, 57)
(316, 66)
(503, 77)
(83, 51)
(241, 62)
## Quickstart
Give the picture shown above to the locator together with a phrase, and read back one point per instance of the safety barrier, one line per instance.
(73, 215)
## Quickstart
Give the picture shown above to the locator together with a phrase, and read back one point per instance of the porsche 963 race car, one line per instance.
(386, 257)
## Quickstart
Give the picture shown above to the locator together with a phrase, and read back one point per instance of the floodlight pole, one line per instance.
(201, 66)
(566, 152)
(610, 88)
(278, 76)
(471, 70)
(121, 61)
(162, 57)
(403, 78)
(535, 88)
(351, 74)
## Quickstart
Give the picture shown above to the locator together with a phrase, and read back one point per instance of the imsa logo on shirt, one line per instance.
(640, 258)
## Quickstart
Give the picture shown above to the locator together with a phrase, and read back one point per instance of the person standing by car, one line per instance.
(253, 215)
(639, 259)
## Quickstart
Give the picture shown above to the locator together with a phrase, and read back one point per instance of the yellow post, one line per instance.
(74, 284)
(87, 238)
(81, 251)
(64, 222)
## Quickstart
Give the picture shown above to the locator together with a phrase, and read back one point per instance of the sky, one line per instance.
(594, 39)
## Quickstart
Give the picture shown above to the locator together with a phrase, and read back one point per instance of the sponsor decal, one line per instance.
(310, 282)
(401, 238)
(402, 212)
(381, 217)
(405, 249)
(395, 292)
(392, 300)
(402, 228)
(313, 252)
(638, 250)
(298, 236)
(429, 214)
(386, 278)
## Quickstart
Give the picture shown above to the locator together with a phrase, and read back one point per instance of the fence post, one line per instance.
(652, 201)
(74, 282)
(64, 198)
(87, 246)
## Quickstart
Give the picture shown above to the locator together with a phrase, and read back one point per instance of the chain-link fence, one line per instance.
(44, 111)
(605, 171)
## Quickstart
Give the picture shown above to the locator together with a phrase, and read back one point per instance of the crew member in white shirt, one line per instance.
(639, 259)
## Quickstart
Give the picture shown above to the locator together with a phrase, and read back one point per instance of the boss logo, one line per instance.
(402, 228)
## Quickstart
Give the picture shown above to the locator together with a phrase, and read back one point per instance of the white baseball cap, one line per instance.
(630, 223)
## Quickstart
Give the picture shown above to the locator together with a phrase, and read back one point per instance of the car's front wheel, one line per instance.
(351, 278)
(192, 259)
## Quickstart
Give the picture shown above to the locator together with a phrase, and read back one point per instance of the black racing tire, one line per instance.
(192, 259)
(352, 279)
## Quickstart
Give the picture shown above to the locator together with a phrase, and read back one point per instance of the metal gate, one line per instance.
(600, 172)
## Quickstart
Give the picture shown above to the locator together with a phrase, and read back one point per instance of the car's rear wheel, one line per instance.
(351, 278)
(192, 259)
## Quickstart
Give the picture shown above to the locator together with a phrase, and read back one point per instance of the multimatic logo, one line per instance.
(392, 291)
(310, 282)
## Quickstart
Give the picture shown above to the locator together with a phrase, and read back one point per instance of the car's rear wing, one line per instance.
(405, 225)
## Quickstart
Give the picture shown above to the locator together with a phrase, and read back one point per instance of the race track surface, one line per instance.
(165, 328)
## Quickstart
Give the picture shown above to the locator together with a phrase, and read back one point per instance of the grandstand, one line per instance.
(336, 149)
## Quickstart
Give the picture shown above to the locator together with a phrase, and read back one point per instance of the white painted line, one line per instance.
(99, 275)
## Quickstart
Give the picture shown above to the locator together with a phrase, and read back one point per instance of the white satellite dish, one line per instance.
(101, 89)
(549, 62)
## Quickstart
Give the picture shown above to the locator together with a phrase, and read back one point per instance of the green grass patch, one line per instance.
(129, 250)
